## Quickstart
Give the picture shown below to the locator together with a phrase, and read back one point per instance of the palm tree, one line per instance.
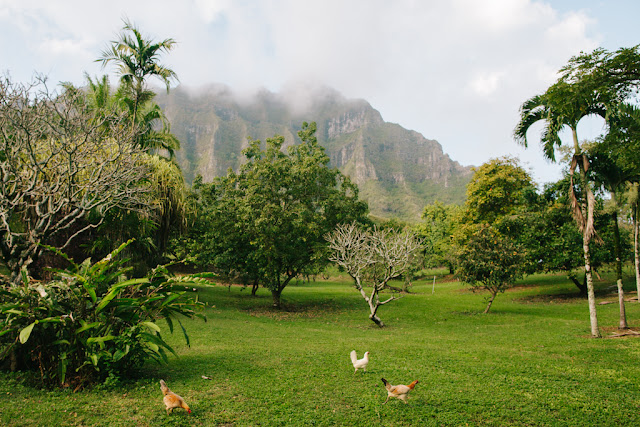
(621, 147)
(137, 59)
(613, 179)
(564, 105)
(155, 131)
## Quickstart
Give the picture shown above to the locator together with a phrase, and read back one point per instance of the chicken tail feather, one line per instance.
(354, 356)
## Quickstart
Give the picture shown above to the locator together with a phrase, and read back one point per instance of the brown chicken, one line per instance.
(172, 400)
(399, 391)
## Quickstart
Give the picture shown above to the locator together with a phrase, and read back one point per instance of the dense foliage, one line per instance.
(600, 83)
(265, 223)
(91, 323)
(89, 171)
(59, 163)
(490, 261)
(439, 222)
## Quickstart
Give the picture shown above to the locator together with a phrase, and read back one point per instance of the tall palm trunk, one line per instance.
(586, 224)
(593, 317)
(636, 229)
(616, 244)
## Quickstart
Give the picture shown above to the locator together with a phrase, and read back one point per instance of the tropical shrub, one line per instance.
(91, 322)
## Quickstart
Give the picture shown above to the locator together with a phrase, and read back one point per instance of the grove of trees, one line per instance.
(86, 173)
(89, 173)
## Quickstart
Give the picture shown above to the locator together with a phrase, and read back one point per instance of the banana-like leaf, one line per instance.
(90, 290)
(63, 367)
(94, 359)
(86, 326)
(155, 339)
(50, 320)
(151, 325)
(25, 276)
(184, 332)
(115, 290)
(172, 297)
(25, 333)
(100, 340)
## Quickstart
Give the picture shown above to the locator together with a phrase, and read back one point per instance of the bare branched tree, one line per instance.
(60, 161)
(372, 259)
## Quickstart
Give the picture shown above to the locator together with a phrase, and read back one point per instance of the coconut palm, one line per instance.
(563, 105)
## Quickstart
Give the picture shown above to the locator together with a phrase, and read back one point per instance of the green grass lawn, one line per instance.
(530, 361)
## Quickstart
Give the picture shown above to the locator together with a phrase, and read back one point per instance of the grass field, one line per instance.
(530, 361)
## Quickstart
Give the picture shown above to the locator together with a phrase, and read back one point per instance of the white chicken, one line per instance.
(359, 363)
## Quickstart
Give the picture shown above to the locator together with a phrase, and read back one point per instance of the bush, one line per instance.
(91, 323)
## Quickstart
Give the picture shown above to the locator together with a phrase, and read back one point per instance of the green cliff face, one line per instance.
(398, 170)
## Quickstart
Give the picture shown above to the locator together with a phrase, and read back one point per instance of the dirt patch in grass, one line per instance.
(606, 295)
(295, 311)
(551, 299)
(614, 332)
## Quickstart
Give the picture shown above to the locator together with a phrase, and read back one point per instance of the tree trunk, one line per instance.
(586, 225)
(275, 294)
(376, 320)
(493, 296)
(374, 304)
(254, 288)
(636, 255)
(616, 246)
(581, 286)
(593, 316)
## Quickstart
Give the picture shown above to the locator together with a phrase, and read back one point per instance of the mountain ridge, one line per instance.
(398, 171)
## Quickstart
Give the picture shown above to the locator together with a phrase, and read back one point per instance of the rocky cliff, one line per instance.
(398, 170)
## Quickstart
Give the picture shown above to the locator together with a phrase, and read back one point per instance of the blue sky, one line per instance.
(455, 71)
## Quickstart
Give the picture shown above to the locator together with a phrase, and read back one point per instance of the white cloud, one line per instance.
(484, 84)
(454, 71)
(209, 10)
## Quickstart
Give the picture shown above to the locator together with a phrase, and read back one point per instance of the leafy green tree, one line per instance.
(613, 179)
(496, 190)
(553, 244)
(614, 74)
(436, 230)
(490, 261)
(564, 105)
(268, 219)
(620, 169)
(634, 202)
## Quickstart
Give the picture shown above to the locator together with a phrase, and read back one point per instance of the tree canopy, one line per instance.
(267, 221)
